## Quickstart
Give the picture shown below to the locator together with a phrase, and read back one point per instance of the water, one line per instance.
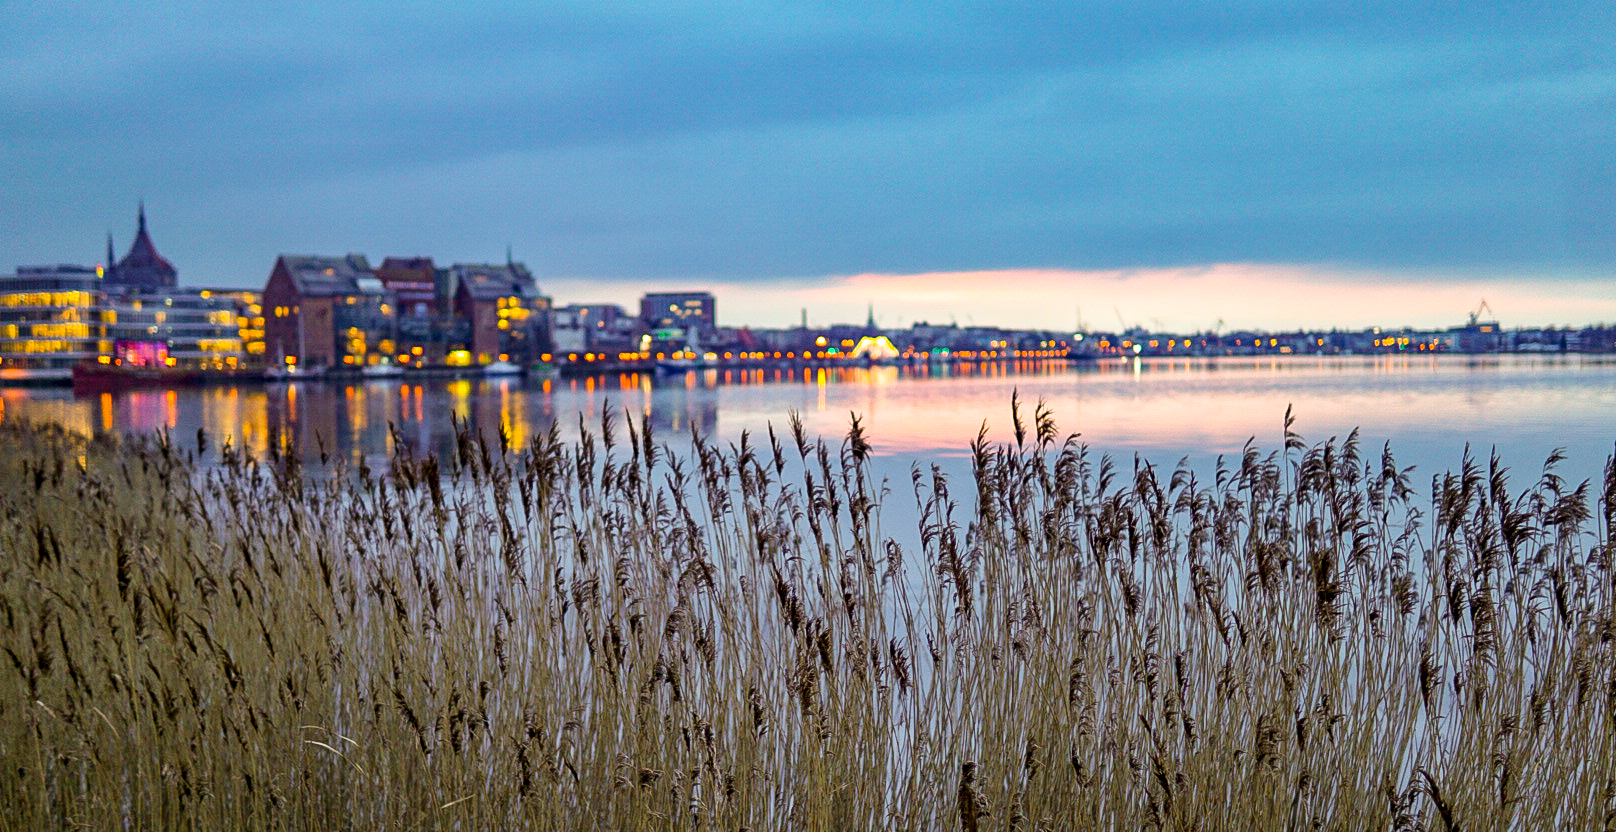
(1429, 408)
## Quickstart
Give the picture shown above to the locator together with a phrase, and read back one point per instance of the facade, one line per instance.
(52, 317)
(427, 328)
(413, 282)
(326, 312)
(688, 311)
(603, 327)
(509, 319)
(249, 318)
(337, 312)
(197, 328)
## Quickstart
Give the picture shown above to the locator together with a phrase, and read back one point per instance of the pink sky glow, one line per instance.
(1242, 296)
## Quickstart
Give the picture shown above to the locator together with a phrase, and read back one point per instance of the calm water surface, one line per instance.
(1164, 410)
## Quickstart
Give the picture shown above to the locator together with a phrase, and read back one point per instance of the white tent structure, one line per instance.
(875, 348)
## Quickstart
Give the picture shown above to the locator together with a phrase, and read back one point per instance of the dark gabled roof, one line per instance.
(142, 266)
(407, 263)
(488, 282)
(316, 276)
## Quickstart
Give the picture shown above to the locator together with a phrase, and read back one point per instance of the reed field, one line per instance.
(633, 632)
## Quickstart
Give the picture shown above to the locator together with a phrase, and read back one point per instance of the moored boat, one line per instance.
(293, 372)
(674, 366)
(502, 368)
(376, 371)
(94, 376)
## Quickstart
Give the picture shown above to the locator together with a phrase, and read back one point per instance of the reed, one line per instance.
(626, 633)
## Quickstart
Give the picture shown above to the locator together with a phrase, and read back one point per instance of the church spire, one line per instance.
(143, 268)
(112, 257)
(869, 323)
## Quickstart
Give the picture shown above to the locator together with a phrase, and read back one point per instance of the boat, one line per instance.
(93, 376)
(35, 375)
(1082, 349)
(293, 372)
(502, 368)
(674, 366)
(375, 371)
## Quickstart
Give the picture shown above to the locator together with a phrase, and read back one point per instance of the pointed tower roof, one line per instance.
(143, 268)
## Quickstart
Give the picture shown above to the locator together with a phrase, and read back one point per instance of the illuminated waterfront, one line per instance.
(1429, 408)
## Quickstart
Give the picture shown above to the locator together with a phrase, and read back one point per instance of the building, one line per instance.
(192, 328)
(413, 282)
(326, 312)
(602, 327)
(681, 310)
(142, 270)
(195, 328)
(509, 319)
(426, 326)
(52, 317)
(249, 318)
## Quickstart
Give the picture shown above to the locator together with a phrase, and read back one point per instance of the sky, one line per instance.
(1181, 166)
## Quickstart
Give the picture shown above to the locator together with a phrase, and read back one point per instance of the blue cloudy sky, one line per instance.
(1264, 163)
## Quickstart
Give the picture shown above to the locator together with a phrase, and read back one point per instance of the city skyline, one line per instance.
(1269, 165)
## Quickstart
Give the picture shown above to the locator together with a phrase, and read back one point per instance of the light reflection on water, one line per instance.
(1429, 408)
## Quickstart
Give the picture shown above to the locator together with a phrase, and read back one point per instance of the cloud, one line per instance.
(688, 142)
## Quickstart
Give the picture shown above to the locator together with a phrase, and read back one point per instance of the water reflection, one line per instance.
(1429, 407)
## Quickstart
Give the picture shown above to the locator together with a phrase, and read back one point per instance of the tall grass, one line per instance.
(609, 634)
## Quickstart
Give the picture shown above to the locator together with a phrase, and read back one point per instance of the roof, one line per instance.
(316, 276)
(422, 264)
(488, 282)
(142, 266)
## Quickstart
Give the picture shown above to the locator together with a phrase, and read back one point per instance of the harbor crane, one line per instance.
(1475, 316)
